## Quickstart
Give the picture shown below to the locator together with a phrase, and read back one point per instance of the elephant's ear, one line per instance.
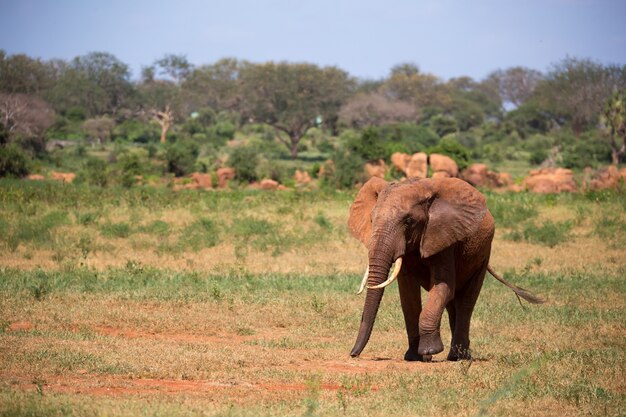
(360, 220)
(455, 213)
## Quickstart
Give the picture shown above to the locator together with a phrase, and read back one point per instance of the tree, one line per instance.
(516, 84)
(176, 67)
(99, 128)
(408, 84)
(22, 74)
(575, 91)
(374, 109)
(614, 119)
(215, 85)
(291, 97)
(165, 119)
(25, 116)
(98, 82)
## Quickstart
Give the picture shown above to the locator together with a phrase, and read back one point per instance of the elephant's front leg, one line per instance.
(443, 279)
(411, 301)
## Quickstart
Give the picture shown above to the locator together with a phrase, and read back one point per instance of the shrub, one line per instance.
(94, 172)
(131, 165)
(14, 162)
(136, 131)
(345, 171)
(180, 157)
(369, 145)
(221, 132)
(443, 125)
(588, 150)
(450, 147)
(408, 137)
(245, 160)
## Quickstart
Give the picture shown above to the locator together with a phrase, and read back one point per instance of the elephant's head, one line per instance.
(421, 217)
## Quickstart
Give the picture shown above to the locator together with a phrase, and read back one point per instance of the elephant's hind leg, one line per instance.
(463, 307)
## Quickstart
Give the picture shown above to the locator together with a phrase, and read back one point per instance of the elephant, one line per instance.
(437, 233)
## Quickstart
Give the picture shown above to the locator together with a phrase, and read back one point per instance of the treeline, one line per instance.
(572, 115)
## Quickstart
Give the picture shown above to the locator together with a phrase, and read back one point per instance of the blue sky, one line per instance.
(448, 38)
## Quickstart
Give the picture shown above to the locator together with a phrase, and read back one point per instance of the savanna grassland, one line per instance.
(145, 301)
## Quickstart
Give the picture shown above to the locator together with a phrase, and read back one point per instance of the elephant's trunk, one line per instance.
(378, 272)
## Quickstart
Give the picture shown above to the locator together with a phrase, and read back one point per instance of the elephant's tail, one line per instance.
(520, 292)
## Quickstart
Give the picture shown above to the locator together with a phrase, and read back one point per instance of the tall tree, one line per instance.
(176, 68)
(98, 82)
(22, 74)
(575, 91)
(291, 97)
(214, 85)
(25, 117)
(407, 83)
(375, 109)
(516, 84)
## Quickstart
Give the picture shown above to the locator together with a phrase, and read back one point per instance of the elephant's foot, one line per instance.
(411, 355)
(459, 353)
(430, 344)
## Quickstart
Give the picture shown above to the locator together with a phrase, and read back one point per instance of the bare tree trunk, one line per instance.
(165, 119)
(616, 153)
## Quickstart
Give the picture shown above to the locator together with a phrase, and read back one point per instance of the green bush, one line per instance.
(135, 131)
(369, 145)
(408, 137)
(94, 172)
(450, 147)
(276, 170)
(245, 160)
(14, 162)
(345, 171)
(443, 125)
(588, 150)
(221, 132)
(131, 165)
(180, 157)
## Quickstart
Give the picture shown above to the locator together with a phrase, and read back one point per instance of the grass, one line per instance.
(242, 303)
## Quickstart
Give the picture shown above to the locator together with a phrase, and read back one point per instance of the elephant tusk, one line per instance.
(364, 281)
(392, 278)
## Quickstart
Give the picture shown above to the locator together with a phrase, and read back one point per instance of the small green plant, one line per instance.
(203, 233)
(549, 233)
(39, 383)
(245, 331)
(119, 230)
(322, 221)
(88, 218)
(157, 227)
(312, 400)
(41, 286)
(611, 228)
